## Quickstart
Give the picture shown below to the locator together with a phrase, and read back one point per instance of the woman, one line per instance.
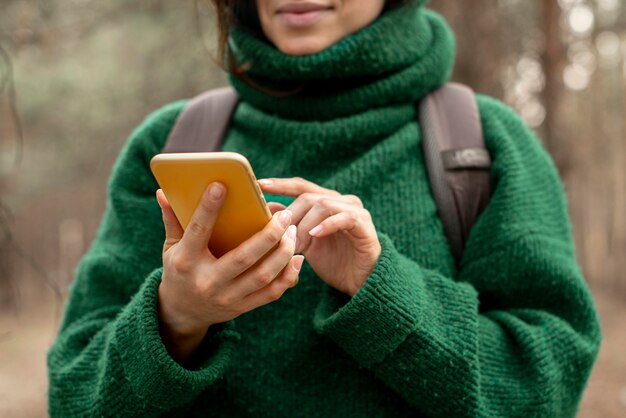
(381, 322)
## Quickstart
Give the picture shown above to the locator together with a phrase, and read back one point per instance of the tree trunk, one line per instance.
(554, 59)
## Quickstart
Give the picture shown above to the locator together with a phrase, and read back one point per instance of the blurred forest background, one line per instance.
(76, 76)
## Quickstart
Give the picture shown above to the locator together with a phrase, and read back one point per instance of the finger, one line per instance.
(266, 271)
(198, 232)
(316, 214)
(303, 204)
(275, 207)
(272, 292)
(248, 253)
(306, 201)
(294, 186)
(173, 230)
(357, 222)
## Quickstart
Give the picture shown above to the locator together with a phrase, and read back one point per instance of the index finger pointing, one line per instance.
(294, 186)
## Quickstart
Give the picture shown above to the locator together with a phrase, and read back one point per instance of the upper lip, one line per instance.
(303, 7)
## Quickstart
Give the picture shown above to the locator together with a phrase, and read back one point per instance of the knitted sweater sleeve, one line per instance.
(108, 358)
(515, 333)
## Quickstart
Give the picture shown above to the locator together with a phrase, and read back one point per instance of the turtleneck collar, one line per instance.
(405, 53)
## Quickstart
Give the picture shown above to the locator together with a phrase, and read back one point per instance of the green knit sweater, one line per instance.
(512, 332)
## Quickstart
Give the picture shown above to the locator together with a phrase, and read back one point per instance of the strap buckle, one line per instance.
(466, 158)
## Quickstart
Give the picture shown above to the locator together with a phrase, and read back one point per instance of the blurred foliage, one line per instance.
(86, 73)
(88, 70)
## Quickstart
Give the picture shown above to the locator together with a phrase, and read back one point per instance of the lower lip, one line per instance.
(301, 20)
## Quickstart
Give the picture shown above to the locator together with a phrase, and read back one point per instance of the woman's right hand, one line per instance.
(198, 290)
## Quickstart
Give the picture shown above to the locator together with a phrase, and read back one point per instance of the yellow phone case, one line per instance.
(185, 176)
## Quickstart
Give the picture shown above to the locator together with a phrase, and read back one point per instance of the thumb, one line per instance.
(173, 230)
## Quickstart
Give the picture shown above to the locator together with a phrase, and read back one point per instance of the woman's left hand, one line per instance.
(335, 232)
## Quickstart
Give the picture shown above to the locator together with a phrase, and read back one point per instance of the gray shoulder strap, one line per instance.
(202, 124)
(458, 162)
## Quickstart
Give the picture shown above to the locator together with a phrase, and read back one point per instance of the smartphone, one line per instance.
(184, 177)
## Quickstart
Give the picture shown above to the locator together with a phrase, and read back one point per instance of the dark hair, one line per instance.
(244, 14)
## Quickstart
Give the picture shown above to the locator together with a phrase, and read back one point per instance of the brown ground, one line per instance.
(25, 336)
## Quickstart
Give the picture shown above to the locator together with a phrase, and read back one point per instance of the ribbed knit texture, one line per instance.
(513, 332)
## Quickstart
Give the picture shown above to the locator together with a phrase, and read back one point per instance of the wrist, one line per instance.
(180, 336)
(181, 348)
(359, 280)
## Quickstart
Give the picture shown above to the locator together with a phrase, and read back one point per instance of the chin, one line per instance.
(303, 46)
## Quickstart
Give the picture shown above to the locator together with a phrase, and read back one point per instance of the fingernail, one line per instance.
(266, 182)
(216, 191)
(297, 264)
(285, 218)
(316, 230)
(291, 232)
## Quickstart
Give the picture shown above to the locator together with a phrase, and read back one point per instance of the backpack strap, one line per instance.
(203, 122)
(457, 160)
